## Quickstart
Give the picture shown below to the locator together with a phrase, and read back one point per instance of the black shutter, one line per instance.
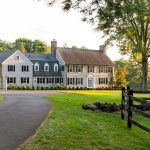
(43, 80)
(22, 68)
(21, 80)
(81, 68)
(81, 80)
(37, 80)
(88, 68)
(8, 68)
(68, 68)
(27, 79)
(73, 80)
(76, 81)
(93, 69)
(62, 80)
(14, 68)
(67, 81)
(27, 68)
(14, 79)
(8, 80)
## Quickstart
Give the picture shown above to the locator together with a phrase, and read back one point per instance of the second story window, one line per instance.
(18, 57)
(55, 67)
(90, 68)
(25, 68)
(11, 68)
(109, 69)
(36, 67)
(46, 67)
(79, 68)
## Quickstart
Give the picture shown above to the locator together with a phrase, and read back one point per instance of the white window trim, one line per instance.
(46, 64)
(36, 64)
(55, 66)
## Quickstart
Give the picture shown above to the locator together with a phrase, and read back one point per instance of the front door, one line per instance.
(90, 82)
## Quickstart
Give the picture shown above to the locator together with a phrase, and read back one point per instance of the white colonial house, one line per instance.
(70, 67)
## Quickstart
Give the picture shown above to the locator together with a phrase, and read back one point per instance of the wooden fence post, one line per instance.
(122, 103)
(130, 103)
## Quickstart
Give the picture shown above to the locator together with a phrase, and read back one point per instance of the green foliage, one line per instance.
(68, 127)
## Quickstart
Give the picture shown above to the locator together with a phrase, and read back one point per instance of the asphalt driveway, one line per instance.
(20, 115)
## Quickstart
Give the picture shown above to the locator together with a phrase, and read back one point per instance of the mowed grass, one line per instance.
(68, 127)
(1, 98)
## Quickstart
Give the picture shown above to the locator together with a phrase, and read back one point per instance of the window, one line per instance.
(79, 81)
(41, 80)
(46, 67)
(90, 68)
(56, 67)
(18, 57)
(25, 68)
(109, 69)
(25, 80)
(62, 68)
(36, 67)
(101, 69)
(11, 68)
(11, 80)
(103, 80)
(79, 68)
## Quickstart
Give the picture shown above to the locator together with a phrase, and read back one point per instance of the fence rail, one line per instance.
(127, 108)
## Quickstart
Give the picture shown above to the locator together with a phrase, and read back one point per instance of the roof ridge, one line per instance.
(78, 49)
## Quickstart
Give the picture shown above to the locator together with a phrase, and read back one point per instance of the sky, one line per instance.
(37, 20)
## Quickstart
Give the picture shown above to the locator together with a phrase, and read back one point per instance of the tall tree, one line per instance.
(126, 22)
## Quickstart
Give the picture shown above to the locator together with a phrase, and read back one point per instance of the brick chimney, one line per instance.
(53, 47)
(103, 49)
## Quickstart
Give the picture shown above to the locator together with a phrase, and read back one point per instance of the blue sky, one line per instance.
(36, 20)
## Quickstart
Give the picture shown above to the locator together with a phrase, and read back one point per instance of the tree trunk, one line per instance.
(144, 72)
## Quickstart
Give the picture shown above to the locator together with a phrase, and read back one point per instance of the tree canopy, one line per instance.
(126, 22)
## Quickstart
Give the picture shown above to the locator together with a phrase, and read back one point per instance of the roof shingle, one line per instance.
(84, 57)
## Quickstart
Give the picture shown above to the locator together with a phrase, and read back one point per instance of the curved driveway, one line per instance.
(20, 115)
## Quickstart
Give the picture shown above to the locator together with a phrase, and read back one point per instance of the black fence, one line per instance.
(128, 107)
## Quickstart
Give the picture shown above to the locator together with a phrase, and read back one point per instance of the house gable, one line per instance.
(17, 58)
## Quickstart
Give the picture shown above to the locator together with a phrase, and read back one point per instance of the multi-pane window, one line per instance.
(11, 68)
(90, 68)
(103, 80)
(109, 69)
(11, 80)
(41, 80)
(25, 80)
(102, 69)
(74, 81)
(62, 68)
(71, 68)
(79, 68)
(36, 67)
(55, 67)
(25, 68)
(46, 67)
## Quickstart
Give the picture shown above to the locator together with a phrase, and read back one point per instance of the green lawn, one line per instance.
(1, 98)
(68, 127)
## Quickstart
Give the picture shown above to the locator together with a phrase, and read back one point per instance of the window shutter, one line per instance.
(27, 79)
(93, 69)
(21, 80)
(43, 80)
(88, 68)
(67, 81)
(37, 80)
(73, 80)
(68, 68)
(14, 68)
(27, 68)
(8, 80)
(81, 80)
(76, 81)
(14, 80)
(81, 68)
(8, 68)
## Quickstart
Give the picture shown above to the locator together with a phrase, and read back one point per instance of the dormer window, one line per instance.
(36, 67)
(55, 67)
(46, 67)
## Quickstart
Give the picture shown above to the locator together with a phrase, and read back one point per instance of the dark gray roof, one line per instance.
(4, 55)
(40, 57)
(49, 73)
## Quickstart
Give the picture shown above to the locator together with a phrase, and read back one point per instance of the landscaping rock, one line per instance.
(102, 107)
